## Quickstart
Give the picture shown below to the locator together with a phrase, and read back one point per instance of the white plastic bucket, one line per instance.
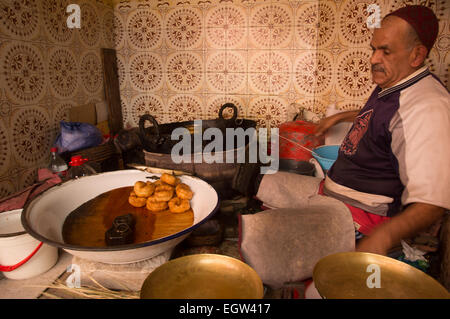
(22, 256)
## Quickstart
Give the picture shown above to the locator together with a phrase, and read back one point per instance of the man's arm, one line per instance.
(328, 122)
(415, 218)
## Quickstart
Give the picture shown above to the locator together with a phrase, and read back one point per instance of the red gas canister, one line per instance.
(294, 135)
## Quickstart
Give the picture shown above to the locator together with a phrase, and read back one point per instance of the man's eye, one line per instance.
(386, 52)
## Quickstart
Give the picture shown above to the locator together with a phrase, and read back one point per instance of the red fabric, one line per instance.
(365, 221)
(46, 179)
(423, 20)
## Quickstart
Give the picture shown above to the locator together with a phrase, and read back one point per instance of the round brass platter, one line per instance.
(203, 276)
(354, 275)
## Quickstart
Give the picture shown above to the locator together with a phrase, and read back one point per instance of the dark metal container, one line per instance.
(157, 144)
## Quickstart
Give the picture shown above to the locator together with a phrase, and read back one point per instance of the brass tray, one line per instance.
(203, 276)
(354, 275)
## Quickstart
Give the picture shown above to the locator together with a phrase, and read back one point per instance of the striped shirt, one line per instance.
(397, 151)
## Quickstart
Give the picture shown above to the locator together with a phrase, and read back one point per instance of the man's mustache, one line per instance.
(377, 68)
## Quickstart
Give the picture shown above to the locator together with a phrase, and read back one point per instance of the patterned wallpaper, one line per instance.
(181, 60)
(45, 68)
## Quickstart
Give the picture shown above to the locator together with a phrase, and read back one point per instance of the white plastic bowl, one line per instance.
(43, 217)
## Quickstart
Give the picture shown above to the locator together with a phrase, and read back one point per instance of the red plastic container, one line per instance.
(293, 134)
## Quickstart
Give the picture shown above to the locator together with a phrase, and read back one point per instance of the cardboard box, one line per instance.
(84, 113)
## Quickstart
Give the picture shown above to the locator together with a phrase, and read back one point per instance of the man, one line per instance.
(393, 167)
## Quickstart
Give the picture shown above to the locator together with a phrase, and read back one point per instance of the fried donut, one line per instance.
(136, 201)
(143, 189)
(184, 191)
(164, 187)
(159, 182)
(161, 196)
(155, 206)
(178, 205)
(164, 195)
(169, 179)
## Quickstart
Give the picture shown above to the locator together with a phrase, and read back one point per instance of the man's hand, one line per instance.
(326, 123)
(415, 218)
(372, 245)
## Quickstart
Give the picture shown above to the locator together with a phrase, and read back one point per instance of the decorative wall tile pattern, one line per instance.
(226, 27)
(29, 135)
(63, 72)
(45, 69)
(184, 28)
(184, 108)
(55, 21)
(184, 71)
(91, 71)
(313, 72)
(90, 32)
(316, 24)
(147, 103)
(144, 30)
(5, 148)
(24, 73)
(270, 58)
(19, 19)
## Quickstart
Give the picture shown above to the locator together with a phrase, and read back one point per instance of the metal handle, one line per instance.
(158, 140)
(227, 105)
(20, 263)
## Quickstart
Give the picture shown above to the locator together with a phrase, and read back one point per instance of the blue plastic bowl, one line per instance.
(326, 155)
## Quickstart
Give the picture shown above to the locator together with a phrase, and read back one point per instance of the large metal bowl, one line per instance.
(44, 216)
(358, 275)
(203, 276)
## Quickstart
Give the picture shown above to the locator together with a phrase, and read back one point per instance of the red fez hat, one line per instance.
(423, 20)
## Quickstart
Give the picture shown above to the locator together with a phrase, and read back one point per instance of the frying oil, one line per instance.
(87, 224)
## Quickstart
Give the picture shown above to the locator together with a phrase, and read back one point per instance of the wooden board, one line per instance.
(86, 226)
(112, 90)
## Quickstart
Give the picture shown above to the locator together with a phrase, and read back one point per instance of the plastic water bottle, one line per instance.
(78, 168)
(57, 164)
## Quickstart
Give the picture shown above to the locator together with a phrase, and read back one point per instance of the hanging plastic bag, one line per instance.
(77, 135)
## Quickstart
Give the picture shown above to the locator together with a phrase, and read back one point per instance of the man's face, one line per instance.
(391, 52)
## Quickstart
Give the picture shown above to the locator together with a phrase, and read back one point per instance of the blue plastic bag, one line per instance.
(76, 135)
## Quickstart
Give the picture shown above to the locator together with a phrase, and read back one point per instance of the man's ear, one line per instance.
(418, 56)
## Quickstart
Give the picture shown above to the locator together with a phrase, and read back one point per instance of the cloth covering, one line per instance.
(128, 277)
(284, 245)
(46, 179)
(287, 190)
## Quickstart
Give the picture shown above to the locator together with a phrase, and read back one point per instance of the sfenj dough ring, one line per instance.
(156, 206)
(143, 189)
(137, 201)
(178, 205)
(169, 179)
(162, 196)
(184, 191)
